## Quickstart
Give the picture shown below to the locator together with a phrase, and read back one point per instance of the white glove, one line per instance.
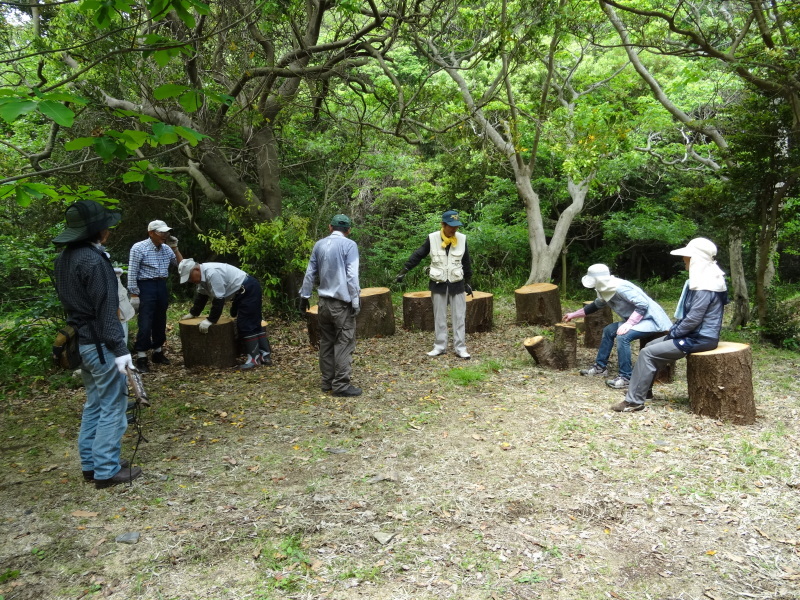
(118, 271)
(172, 241)
(135, 303)
(188, 316)
(204, 325)
(122, 362)
(356, 309)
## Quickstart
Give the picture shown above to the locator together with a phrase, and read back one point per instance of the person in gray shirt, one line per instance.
(334, 261)
(697, 328)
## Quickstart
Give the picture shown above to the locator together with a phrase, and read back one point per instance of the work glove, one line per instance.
(234, 309)
(468, 290)
(118, 271)
(135, 302)
(303, 305)
(204, 325)
(123, 362)
(401, 275)
(356, 308)
(578, 314)
(188, 316)
(632, 320)
(172, 241)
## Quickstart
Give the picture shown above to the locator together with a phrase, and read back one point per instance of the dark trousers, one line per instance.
(248, 308)
(337, 340)
(153, 302)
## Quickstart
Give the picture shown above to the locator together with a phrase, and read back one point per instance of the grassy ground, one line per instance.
(486, 479)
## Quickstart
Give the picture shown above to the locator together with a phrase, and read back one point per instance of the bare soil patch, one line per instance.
(488, 479)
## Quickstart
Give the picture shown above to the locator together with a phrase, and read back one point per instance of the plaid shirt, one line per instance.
(87, 287)
(148, 261)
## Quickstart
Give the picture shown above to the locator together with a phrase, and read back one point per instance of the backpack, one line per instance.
(66, 353)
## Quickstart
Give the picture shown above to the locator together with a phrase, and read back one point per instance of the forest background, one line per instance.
(565, 133)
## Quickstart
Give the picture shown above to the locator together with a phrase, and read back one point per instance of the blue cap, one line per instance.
(450, 217)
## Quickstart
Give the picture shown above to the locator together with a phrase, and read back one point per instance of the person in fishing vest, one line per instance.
(221, 282)
(450, 273)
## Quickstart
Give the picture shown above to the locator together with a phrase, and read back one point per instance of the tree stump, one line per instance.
(217, 348)
(721, 383)
(418, 311)
(376, 318)
(538, 304)
(480, 312)
(558, 353)
(665, 374)
(594, 324)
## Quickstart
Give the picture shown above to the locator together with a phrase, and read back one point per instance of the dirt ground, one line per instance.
(484, 479)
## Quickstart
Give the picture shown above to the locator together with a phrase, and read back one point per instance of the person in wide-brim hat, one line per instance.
(85, 219)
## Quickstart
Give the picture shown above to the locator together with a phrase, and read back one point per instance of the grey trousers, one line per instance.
(337, 340)
(654, 356)
(458, 312)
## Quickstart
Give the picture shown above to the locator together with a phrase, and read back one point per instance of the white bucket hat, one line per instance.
(698, 248)
(185, 269)
(595, 273)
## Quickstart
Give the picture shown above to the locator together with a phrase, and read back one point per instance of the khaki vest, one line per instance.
(446, 266)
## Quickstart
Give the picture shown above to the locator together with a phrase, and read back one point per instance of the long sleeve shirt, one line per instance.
(148, 261)
(630, 298)
(446, 286)
(87, 287)
(334, 261)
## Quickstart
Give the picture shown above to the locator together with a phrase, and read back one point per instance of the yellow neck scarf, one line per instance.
(447, 241)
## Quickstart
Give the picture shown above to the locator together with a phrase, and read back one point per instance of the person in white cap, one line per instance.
(699, 321)
(221, 282)
(148, 269)
(642, 315)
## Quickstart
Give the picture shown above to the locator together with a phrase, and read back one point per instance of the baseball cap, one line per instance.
(185, 269)
(450, 217)
(159, 226)
(341, 221)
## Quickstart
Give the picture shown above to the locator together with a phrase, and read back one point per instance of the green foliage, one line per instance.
(647, 222)
(781, 325)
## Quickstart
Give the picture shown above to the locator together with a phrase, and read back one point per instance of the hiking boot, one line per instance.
(88, 476)
(618, 383)
(351, 390)
(160, 359)
(626, 406)
(123, 476)
(142, 364)
(595, 370)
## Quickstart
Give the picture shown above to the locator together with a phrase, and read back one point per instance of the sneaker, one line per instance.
(124, 475)
(160, 359)
(464, 355)
(595, 370)
(626, 406)
(351, 390)
(435, 352)
(142, 364)
(618, 383)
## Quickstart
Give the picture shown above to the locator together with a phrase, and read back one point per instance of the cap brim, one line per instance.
(77, 234)
(683, 252)
(185, 278)
(588, 281)
(454, 223)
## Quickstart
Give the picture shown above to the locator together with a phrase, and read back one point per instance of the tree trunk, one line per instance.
(376, 318)
(538, 304)
(560, 353)
(217, 348)
(269, 170)
(741, 297)
(594, 323)
(418, 311)
(721, 383)
(312, 325)
(480, 312)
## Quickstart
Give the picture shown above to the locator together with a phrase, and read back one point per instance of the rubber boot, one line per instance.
(266, 350)
(253, 354)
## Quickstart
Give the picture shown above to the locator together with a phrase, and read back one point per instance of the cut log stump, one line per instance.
(480, 312)
(418, 312)
(665, 374)
(538, 304)
(217, 348)
(593, 325)
(558, 353)
(376, 318)
(720, 383)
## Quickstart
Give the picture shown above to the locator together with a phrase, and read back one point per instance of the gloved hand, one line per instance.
(303, 305)
(468, 290)
(135, 302)
(172, 241)
(123, 362)
(578, 314)
(632, 320)
(356, 308)
(188, 316)
(234, 309)
(118, 271)
(204, 325)
(401, 275)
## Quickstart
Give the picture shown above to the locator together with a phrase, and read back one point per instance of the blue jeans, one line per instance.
(153, 303)
(103, 421)
(623, 348)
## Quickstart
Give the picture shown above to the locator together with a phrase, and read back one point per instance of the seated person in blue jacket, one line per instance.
(221, 282)
(642, 315)
(699, 320)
